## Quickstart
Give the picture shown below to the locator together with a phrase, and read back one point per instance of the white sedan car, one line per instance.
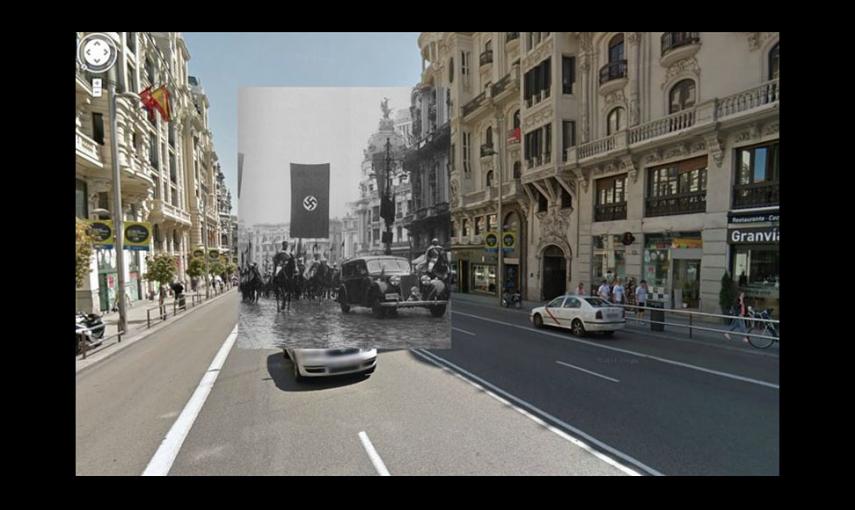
(326, 362)
(579, 314)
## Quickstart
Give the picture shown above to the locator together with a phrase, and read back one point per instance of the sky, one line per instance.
(309, 125)
(226, 62)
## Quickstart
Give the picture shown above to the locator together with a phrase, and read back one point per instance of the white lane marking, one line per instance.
(633, 353)
(587, 371)
(463, 331)
(373, 455)
(161, 462)
(440, 362)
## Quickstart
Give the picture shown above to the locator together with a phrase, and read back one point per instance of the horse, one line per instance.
(251, 285)
(283, 284)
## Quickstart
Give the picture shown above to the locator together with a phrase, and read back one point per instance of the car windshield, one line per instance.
(388, 266)
(597, 302)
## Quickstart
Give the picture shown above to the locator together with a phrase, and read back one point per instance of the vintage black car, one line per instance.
(385, 283)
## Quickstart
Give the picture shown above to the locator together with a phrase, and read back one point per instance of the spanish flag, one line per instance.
(157, 99)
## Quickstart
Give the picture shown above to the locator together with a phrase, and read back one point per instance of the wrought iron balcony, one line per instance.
(510, 36)
(613, 71)
(486, 57)
(671, 40)
(487, 150)
(681, 203)
(610, 212)
(473, 105)
(755, 195)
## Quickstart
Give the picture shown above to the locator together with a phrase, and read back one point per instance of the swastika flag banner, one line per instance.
(310, 204)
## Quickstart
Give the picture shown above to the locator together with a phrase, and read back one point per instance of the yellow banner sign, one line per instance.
(687, 243)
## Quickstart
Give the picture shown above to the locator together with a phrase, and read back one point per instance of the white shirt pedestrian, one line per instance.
(641, 295)
(604, 291)
(617, 292)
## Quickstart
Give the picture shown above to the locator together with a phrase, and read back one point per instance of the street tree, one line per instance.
(196, 269)
(84, 248)
(161, 268)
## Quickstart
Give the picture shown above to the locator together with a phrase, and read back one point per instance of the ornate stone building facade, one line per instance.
(639, 154)
(167, 168)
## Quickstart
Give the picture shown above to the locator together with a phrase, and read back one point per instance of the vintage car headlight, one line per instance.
(395, 280)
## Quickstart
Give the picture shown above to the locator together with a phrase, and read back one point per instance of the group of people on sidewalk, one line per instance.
(615, 292)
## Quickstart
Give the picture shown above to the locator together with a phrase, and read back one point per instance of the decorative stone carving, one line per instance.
(743, 136)
(756, 39)
(454, 187)
(586, 40)
(628, 165)
(715, 149)
(539, 117)
(771, 128)
(614, 97)
(653, 157)
(634, 112)
(634, 38)
(687, 66)
(699, 146)
(585, 131)
(538, 54)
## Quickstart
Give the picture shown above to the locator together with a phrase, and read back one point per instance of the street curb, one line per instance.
(83, 364)
(772, 353)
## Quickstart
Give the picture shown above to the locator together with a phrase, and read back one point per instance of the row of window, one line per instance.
(681, 187)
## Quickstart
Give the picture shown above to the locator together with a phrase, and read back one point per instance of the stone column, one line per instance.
(634, 73)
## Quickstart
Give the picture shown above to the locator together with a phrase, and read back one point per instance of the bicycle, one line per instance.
(767, 329)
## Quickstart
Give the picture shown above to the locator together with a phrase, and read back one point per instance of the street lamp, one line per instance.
(117, 198)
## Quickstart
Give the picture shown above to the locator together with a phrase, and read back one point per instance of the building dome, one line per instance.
(386, 129)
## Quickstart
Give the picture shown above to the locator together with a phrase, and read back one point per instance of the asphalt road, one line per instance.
(504, 400)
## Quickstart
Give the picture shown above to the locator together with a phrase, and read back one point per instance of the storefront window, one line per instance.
(484, 278)
(609, 258)
(671, 265)
(756, 269)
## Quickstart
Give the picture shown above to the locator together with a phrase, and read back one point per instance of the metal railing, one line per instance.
(84, 346)
(610, 212)
(764, 94)
(681, 203)
(693, 323)
(671, 40)
(613, 71)
(486, 57)
(755, 195)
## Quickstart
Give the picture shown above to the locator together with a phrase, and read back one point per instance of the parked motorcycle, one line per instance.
(91, 336)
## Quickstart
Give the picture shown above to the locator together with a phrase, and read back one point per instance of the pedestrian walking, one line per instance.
(604, 291)
(739, 322)
(618, 292)
(580, 290)
(641, 297)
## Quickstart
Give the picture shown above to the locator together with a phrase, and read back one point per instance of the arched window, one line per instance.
(517, 119)
(774, 62)
(517, 169)
(489, 137)
(615, 121)
(682, 96)
(616, 53)
(489, 178)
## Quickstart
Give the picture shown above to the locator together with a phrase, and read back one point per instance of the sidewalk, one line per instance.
(137, 325)
(676, 331)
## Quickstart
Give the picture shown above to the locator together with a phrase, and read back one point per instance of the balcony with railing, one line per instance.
(511, 36)
(678, 46)
(474, 104)
(610, 212)
(486, 57)
(89, 150)
(169, 212)
(665, 126)
(681, 203)
(757, 97)
(765, 96)
(487, 150)
(613, 76)
(758, 194)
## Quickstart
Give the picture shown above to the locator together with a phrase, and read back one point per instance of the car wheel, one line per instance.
(577, 328)
(437, 311)
(538, 321)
